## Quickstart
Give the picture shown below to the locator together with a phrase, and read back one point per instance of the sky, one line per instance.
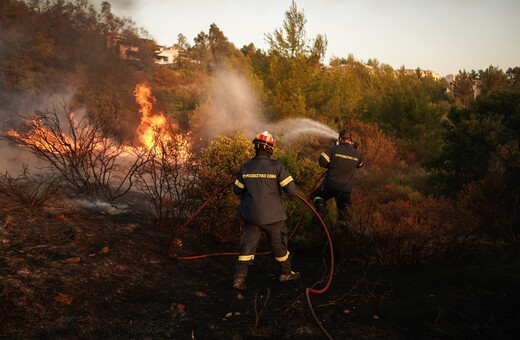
(444, 36)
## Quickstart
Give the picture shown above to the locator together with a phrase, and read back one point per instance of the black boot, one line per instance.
(288, 277)
(239, 282)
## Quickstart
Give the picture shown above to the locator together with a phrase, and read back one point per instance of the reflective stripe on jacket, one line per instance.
(341, 160)
(260, 184)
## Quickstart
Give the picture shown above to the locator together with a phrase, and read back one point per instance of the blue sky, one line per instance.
(441, 35)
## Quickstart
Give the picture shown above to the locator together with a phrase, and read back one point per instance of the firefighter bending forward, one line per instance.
(260, 184)
(341, 161)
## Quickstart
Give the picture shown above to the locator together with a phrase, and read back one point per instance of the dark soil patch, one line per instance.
(69, 272)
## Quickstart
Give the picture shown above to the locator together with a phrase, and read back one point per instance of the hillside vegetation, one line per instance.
(441, 160)
(440, 181)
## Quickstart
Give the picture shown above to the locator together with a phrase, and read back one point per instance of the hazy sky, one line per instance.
(441, 35)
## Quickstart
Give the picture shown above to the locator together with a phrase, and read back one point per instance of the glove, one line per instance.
(355, 145)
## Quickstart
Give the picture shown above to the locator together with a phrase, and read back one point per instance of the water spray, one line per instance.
(234, 106)
(294, 127)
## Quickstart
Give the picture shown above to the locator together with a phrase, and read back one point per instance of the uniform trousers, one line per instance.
(343, 199)
(276, 234)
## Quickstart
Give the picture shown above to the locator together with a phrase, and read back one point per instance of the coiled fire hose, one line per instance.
(308, 290)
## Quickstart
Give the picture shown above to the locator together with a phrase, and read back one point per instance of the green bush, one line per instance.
(220, 163)
(306, 173)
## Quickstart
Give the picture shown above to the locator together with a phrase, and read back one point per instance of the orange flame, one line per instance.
(154, 131)
(41, 138)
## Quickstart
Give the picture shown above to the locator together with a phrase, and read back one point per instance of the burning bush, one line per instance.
(168, 178)
(161, 166)
(89, 162)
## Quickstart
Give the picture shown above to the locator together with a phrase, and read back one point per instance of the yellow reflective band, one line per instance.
(347, 157)
(324, 155)
(246, 257)
(286, 181)
(238, 184)
(317, 198)
(259, 175)
(283, 258)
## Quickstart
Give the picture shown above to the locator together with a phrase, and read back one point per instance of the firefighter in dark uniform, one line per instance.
(341, 161)
(260, 184)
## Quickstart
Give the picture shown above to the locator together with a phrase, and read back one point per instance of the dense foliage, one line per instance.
(462, 135)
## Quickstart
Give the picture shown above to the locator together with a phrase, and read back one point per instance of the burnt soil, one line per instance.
(67, 271)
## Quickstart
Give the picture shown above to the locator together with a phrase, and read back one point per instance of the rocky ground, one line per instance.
(70, 271)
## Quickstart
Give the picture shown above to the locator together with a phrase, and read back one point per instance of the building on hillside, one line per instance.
(329, 68)
(128, 49)
(124, 47)
(166, 56)
(173, 57)
(423, 73)
(475, 87)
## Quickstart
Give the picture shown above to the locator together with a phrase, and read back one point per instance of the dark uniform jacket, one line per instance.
(341, 160)
(260, 183)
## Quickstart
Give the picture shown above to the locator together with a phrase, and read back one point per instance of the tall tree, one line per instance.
(294, 65)
(479, 138)
(513, 77)
(492, 79)
(182, 42)
(481, 161)
(201, 51)
(409, 108)
(292, 42)
(224, 53)
(463, 87)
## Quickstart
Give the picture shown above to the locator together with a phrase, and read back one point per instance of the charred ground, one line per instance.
(71, 272)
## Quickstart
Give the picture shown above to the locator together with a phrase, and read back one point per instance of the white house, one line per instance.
(166, 56)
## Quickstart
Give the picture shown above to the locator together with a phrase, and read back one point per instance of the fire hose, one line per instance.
(308, 290)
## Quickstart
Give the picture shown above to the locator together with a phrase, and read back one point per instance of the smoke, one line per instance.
(13, 107)
(234, 106)
(101, 206)
(16, 104)
(231, 106)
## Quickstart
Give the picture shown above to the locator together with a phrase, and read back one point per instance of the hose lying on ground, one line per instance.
(308, 291)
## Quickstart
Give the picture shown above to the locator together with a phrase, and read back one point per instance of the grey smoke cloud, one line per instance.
(234, 106)
(13, 107)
